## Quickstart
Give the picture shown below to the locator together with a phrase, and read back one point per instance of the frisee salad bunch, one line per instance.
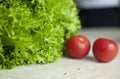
(34, 31)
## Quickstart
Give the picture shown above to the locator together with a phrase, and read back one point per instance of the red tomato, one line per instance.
(105, 50)
(77, 46)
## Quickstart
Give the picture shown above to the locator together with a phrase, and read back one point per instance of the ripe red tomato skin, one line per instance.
(78, 46)
(105, 50)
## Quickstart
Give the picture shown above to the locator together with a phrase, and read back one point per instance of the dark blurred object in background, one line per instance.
(99, 12)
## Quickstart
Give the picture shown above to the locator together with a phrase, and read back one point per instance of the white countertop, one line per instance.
(67, 68)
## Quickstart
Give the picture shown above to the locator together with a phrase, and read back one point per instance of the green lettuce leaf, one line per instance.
(34, 31)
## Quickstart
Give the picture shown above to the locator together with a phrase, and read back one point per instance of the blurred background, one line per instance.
(99, 13)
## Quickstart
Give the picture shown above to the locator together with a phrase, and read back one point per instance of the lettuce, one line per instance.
(34, 31)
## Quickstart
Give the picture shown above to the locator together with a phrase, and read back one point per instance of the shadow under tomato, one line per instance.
(87, 58)
(91, 58)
